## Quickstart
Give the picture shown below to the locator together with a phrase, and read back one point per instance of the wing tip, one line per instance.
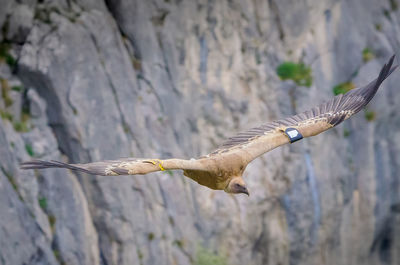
(36, 164)
(42, 164)
(387, 69)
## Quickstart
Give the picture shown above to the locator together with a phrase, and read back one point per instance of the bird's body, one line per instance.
(223, 168)
(220, 170)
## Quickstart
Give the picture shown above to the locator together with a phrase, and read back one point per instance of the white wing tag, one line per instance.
(293, 135)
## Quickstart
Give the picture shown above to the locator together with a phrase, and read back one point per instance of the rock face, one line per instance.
(89, 80)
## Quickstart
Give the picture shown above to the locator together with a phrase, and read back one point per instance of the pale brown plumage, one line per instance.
(223, 168)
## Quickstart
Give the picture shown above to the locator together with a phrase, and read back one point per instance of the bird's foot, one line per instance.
(156, 162)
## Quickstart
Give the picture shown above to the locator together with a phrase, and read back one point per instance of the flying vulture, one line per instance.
(223, 168)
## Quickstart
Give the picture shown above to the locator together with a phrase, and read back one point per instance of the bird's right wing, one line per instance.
(257, 141)
(127, 166)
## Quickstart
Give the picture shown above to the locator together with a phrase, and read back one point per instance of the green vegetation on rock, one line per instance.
(139, 254)
(343, 88)
(5, 54)
(43, 203)
(57, 255)
(12, 181)
(367, 55)
(17, 88)
(21, 126)
(346, 133)
(150, 236)
(298, 72)
(29, 150)
(52, 222)
(178, 243)
(207, 257)
(5, 88)
(370, 115)
(393, 5)
(386, 13)
(5, 115)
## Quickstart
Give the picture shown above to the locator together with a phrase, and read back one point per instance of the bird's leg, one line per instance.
(156, 162)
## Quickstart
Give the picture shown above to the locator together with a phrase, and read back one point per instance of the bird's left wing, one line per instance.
(126, 166)
(259, 140)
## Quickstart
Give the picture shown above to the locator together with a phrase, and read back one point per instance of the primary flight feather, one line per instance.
(223, 168)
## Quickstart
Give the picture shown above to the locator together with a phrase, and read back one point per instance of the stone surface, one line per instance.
(19, 23)
(109, 79)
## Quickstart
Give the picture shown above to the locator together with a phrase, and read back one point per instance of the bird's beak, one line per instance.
(245, 191)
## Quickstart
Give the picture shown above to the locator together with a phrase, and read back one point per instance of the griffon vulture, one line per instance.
(223, 168)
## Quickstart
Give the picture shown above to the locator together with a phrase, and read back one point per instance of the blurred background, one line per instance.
(85, 80)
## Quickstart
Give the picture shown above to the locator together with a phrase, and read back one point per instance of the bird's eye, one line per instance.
(237, 185)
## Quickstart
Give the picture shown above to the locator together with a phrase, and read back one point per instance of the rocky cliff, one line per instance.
(85, 80)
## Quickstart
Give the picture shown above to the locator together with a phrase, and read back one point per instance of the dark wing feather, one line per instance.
(109, 167)
(314, 121)
(124, 166)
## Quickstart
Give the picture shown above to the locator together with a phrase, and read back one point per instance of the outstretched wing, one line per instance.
(128, 166)
(257, 141)
(247, 145)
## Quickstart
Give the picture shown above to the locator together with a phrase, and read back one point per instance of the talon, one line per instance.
(156, 162)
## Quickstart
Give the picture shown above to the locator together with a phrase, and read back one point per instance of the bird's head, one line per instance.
(237, 185)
